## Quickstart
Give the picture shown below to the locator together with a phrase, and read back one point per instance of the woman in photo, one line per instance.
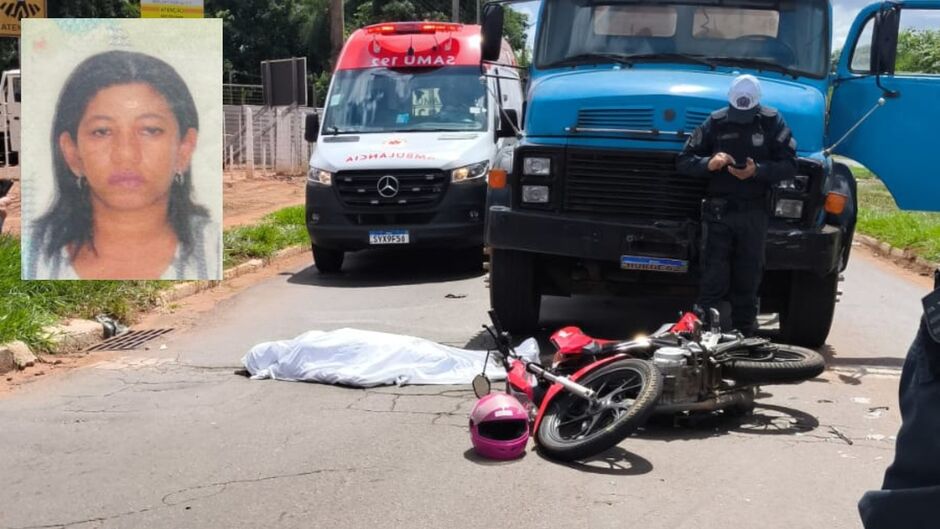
(124, 131)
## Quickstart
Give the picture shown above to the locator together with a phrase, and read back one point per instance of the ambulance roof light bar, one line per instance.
(412, 27)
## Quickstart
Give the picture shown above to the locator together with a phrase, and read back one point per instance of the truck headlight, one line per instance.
(319, 176)
(535, 194)
(536, 166)
(469, 172)
(789, 208)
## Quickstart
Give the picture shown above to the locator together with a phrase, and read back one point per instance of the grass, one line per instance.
(880, 218)
(27, 306)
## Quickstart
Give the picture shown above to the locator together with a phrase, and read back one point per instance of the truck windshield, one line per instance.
(783, 35)
(406, 100)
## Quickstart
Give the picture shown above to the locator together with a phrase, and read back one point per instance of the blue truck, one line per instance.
(593, 201)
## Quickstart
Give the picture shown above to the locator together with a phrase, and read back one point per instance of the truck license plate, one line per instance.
(388, 237)
(654, 264)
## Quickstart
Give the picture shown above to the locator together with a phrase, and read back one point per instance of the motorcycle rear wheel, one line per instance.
(776, 364)
(571, 429)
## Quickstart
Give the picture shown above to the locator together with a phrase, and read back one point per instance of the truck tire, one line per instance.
(808, 314)
(327, 260)
(514, 294)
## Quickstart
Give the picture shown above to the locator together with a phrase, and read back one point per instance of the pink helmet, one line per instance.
(499, 426)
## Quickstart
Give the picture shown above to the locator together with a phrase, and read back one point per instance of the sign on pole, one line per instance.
(11, 12)
(171, 9)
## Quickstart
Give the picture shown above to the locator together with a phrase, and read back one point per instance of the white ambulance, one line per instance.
(410, 129)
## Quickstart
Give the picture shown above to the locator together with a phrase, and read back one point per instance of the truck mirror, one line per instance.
(492, 31)
(884, 42)
(312, 127)
(508, 123)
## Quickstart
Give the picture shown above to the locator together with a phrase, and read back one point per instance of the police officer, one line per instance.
(910, 495)
(742, 149)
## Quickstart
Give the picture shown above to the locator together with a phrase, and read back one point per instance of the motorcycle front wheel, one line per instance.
(774, 364)
(626, 394)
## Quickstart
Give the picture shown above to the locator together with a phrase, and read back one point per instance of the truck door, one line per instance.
(897, 140)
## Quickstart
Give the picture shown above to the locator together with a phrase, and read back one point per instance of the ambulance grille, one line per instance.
(415, 187)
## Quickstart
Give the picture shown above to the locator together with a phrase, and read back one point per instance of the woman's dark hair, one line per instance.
(69, 220)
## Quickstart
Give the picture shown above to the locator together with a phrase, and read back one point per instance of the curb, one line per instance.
(898, 255)
(74, 334)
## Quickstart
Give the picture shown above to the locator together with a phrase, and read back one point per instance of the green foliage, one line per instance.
(27, 306)
(278, 230)
(918, 51)
(879, 217)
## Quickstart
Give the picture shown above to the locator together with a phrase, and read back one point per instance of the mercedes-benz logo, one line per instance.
(387, 186)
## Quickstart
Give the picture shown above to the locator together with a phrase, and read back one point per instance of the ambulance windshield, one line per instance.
(406, 100)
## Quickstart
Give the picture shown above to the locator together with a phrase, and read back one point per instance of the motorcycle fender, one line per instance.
(557, 388)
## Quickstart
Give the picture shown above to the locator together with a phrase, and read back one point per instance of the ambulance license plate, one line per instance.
(389, 237)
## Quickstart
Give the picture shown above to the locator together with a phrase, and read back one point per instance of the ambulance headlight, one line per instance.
(469, 172)
(320, 177)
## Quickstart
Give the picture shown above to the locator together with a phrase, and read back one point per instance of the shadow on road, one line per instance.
(613, 462)
(767, 419)
(391, 267)
(831, 354)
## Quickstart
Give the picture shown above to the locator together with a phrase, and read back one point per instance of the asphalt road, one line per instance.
(171, 437)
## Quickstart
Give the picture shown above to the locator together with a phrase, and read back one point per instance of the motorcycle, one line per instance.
(597, 392)
(583, 412)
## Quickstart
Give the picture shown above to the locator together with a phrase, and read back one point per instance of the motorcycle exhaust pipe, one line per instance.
(720, 402)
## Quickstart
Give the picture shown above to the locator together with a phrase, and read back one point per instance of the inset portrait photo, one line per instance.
(121, 149)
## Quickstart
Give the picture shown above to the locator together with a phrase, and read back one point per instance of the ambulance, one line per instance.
(411, 126)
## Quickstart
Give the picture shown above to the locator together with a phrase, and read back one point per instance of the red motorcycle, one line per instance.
(597, 392)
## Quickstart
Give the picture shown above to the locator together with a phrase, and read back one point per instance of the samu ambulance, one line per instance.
(410, 129)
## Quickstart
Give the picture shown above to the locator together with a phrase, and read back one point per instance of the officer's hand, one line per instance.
(719, 161)
(747, 172)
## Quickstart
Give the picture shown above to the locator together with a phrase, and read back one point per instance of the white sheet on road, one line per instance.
(360, 358)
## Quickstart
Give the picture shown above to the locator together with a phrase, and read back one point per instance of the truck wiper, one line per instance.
(336, 132)
(684, 57)
(593, 58)
(759, 64)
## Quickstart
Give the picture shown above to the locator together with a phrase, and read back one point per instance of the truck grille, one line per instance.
(415, 187)
(635, 118)
(633, 184)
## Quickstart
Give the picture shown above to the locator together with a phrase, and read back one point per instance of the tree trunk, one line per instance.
(336, 29)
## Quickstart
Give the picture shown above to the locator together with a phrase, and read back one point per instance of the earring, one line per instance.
(79, 182)
(178, 177)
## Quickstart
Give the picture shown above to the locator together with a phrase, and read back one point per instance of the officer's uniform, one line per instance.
(735, 213)
(910, 495)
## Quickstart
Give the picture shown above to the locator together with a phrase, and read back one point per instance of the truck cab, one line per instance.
(595, 203)
(410, 129)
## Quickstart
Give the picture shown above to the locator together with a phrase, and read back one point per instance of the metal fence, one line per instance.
(266, 139)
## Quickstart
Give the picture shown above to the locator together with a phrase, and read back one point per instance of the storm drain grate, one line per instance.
(129, 340)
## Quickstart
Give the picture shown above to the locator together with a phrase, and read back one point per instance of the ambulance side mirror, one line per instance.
(492, 32)
(508, 123)
(312, 127)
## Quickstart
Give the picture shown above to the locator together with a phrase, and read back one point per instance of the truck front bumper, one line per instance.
(603, 240)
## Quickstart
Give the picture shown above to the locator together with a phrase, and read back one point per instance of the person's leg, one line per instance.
(910, 494)
(747, 268)
(715, 266)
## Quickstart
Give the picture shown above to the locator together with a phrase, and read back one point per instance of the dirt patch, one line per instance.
(244, 199)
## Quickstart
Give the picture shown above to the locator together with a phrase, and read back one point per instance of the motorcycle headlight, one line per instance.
(537, 166)
(469, 172)
(789, 209)
(319, 176)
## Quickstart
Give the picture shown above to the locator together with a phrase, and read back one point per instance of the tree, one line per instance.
(918, 51)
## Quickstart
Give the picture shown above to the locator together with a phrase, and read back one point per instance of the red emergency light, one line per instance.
(412, 27)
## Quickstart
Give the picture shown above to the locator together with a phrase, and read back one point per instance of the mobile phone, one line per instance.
(739, 165)
(5, 186)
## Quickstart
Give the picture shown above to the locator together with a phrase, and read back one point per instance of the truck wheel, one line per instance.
(327, 260)
(808, 316)
(513, 292)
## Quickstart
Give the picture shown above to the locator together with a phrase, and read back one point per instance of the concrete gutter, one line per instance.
(899, 255)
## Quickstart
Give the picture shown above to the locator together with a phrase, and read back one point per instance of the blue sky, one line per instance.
(843, 14)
